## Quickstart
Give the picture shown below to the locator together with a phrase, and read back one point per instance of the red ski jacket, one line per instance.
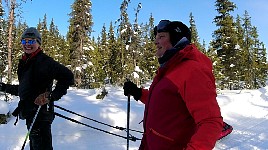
(181, 111)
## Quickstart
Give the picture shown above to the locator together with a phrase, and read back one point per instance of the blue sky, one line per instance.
(105, 11)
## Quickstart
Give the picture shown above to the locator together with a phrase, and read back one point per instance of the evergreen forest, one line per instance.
(125, 49)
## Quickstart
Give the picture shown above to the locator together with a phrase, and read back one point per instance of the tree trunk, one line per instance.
(10, 39)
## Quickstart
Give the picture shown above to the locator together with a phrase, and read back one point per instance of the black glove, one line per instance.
(131, 89)
(16, 112)
(2, 86)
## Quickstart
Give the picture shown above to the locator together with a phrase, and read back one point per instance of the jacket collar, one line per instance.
(29, 56)
(171, 52)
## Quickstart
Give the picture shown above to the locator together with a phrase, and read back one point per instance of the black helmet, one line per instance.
(176, 29)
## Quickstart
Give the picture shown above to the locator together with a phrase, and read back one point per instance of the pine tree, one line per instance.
(3, 41)
(78, 36)
(63, 52)
(43, 29)
(88, 70)
(150, 65)
(254, 56)
(17, 49)
(262, 74)
(100, 58)
(240, 53)
(217, 67)
(259, 61)
(225, 40)
(53, 41)
(124, 36)
(135, 50)
(195, 38)
(114, 71)
(247, 52)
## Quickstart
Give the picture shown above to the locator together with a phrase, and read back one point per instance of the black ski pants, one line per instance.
(40, 135)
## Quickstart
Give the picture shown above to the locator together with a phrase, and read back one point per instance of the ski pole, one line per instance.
(29, 131)
(128, 117)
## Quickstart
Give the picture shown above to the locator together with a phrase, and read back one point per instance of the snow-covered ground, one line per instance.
(246, 111)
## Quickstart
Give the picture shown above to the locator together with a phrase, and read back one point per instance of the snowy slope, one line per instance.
(246, 111)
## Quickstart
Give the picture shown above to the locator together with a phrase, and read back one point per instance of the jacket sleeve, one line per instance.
(64, 78)
(144, 95)
(200, 98)
(12, 89)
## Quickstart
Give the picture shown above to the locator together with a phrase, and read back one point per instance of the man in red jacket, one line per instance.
(181, 111)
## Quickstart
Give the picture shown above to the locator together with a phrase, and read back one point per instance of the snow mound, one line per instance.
(3, 107)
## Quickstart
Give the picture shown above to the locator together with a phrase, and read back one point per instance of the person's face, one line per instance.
(162, 42)
(29, 45)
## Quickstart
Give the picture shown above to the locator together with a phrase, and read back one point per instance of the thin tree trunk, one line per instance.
(10, 39)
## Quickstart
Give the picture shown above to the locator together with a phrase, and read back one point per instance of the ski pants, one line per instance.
(40, 135)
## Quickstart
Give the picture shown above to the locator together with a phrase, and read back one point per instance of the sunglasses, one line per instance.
(162, 26)
(30, 42)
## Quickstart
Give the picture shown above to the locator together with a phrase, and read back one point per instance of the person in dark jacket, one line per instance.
(36, 73)
(181, 110)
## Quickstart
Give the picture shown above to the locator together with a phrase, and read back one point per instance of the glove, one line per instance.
(16, 112)
(2, 86)
(131, 89)
(42, 99)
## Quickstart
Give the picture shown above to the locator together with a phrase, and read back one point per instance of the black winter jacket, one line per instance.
(36, 76)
